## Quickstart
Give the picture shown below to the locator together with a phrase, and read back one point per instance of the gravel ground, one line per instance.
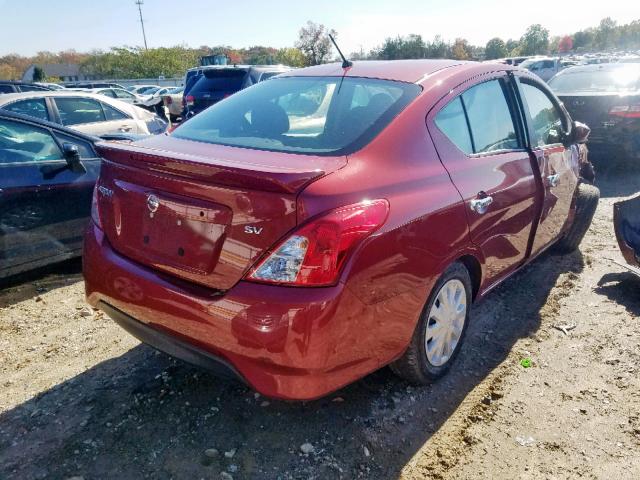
(79, 397)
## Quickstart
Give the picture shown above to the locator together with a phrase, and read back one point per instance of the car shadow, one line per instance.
(622, 288)
(617, 184)
(24, 286)
(143, 414)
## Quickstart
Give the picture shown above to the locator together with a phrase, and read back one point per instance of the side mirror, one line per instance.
(72, 156)
(580, 132)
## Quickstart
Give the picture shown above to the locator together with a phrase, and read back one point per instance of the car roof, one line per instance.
(7, 115)
(412, 71)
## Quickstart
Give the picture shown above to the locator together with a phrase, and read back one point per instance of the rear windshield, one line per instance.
(623, 79)
(314, 115)
(229, 81)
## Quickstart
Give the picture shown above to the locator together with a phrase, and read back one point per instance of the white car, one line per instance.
(84, 111)
(154, 96)
(118, 93)
(141, 89)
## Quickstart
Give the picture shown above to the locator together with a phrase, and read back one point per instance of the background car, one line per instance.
(47, 174)
(90, 85)
(86, 112)
(607, 98)
(545, 68)
(346, 219)
(217, 82)
(173, 102)
(141, 89)
(118, 93)
(13, 87)
(52, 86)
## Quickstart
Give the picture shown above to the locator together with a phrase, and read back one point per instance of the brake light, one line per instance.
(168, 100)
(314, 254)
(95, 212)
(190, 100)
(626, 111)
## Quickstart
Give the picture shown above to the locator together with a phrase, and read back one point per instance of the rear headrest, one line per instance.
(269, 120)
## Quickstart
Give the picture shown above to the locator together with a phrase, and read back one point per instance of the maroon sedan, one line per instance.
(316, 227)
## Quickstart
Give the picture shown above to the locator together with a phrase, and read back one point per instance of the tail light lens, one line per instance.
(95, 212)
(314, 255)
(626, 111)
(190, 100)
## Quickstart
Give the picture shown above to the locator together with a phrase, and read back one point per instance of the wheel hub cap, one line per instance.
(445, 322)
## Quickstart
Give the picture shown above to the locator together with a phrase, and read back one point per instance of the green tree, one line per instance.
(38, 74)
(411, 46)
(495, 48)
(606, 34)
(535, 40)
(314, 42)
(461, 49)
(291, 56)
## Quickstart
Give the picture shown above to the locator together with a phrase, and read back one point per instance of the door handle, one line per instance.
(554, 180)
(125, 128)
(480, 205)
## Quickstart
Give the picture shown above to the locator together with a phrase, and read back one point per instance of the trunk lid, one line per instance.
(201, 212)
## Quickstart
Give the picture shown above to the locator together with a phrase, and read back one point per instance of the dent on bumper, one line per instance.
(290, 343)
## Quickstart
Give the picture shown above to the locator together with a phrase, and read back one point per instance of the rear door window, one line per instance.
(76, 111)
(6, 89)
(480, 120)
(34, 107)
(490, 119)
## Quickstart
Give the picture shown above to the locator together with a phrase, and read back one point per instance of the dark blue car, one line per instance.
(47, 175)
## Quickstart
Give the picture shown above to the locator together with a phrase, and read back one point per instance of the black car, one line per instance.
(205, 86)
(15, 87)
(47, 175)
(607, 98)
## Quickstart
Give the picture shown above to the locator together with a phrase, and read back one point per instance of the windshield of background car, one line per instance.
(313, 115)
(623, 79)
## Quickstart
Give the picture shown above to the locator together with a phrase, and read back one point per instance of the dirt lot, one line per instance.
(80, 398)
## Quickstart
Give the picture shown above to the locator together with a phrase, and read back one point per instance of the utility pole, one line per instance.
(144, 35)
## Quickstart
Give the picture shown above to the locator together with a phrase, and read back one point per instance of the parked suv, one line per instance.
(316, 227)
(217, 82)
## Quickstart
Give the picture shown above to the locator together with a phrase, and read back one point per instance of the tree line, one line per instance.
(313, 46)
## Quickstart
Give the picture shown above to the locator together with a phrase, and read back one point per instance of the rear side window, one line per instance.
(452, 122)
(479, 120)
(6, 89)
(220, 81)
(75, 111)
(32, 88)
(34, 107)
(113, 114)
(21, 142)
(546, 121)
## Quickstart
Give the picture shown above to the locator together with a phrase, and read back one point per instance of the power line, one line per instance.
(144, 35)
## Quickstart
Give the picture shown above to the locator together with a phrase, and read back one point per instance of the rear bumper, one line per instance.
(292, 343)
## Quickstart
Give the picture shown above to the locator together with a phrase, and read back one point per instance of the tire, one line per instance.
(586, 205)
(415, 365)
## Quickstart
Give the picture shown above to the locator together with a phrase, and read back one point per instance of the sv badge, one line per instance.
(253, 230)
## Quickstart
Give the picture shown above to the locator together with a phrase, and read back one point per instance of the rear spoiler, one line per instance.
(299, 171)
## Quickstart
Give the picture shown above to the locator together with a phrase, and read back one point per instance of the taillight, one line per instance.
(626, 111)
(190, 100)
(168, 100)
(95, 212)
(314, 254)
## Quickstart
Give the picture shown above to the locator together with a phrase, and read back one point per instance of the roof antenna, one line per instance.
(345, 63)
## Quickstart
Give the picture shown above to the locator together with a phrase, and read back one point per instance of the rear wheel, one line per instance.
(440, 330)
(586, 204)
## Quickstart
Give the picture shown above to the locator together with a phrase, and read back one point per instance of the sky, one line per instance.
(29, 26)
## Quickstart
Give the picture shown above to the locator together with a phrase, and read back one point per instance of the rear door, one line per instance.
(479, 138)
(558, 164)
(43, 206)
